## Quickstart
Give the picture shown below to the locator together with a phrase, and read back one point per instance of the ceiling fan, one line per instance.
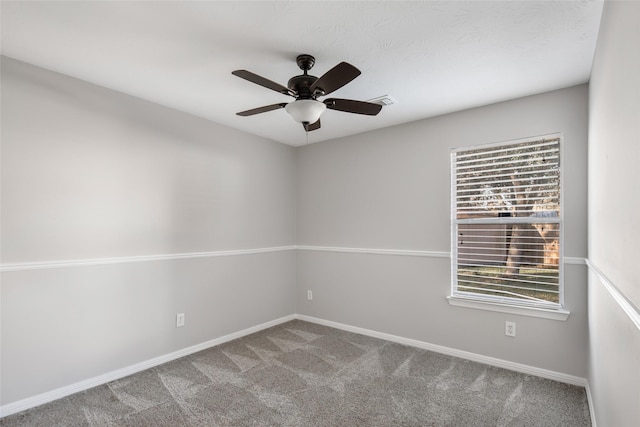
(306, 89)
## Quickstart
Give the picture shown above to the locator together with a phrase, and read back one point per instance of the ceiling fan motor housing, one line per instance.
(301, 85)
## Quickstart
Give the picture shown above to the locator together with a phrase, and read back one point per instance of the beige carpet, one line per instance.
(303, 374)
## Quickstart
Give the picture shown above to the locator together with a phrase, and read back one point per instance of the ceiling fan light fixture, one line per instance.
(305, 88)
(305, 110)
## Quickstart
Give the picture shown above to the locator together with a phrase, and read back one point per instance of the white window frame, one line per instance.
(468, 299)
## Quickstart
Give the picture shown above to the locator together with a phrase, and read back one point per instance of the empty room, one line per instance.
(320, 213)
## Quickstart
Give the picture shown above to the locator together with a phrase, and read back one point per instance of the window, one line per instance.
(506, 225)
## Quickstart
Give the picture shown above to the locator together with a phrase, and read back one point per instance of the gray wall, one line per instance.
(614, 211)
(90, 173)
(389, 189)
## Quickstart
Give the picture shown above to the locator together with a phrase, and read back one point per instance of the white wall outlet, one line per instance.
(179, 320)
(510, 329)
(309, 295)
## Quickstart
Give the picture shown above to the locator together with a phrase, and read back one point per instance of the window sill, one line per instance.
(544, 313)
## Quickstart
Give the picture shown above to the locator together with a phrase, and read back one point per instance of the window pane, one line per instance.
(516, 181)
(506, 214)
(509, 260)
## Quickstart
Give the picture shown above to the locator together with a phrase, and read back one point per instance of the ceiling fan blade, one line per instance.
(261, 109)
(335, 78)
(312, 126)
(353, 106)
(259, 80)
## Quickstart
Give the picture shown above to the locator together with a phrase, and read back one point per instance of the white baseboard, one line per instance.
(500, 363)
(518, 367)
(61, 392)
(592, 410)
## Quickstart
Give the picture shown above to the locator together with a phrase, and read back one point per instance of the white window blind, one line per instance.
(506, 234)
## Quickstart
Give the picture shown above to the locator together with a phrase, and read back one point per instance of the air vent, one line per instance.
(383, 100)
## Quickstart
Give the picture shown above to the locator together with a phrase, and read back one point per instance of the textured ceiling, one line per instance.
(432, 57)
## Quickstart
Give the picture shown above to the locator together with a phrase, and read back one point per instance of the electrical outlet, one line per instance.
(179, 320)
(510, 329)
(309, 295)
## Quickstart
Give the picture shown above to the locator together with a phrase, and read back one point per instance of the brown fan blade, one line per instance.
(261, 109)
(259, 80)
(352, 106)
(335, 78)
(312, 126)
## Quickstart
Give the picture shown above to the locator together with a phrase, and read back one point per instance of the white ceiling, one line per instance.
(432, 57)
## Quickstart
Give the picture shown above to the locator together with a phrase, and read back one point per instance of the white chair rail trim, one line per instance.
(22, 266)
(397, 252)
(40, 265)
(618, 297)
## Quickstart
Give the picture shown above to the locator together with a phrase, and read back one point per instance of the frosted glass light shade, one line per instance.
(305, 110)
